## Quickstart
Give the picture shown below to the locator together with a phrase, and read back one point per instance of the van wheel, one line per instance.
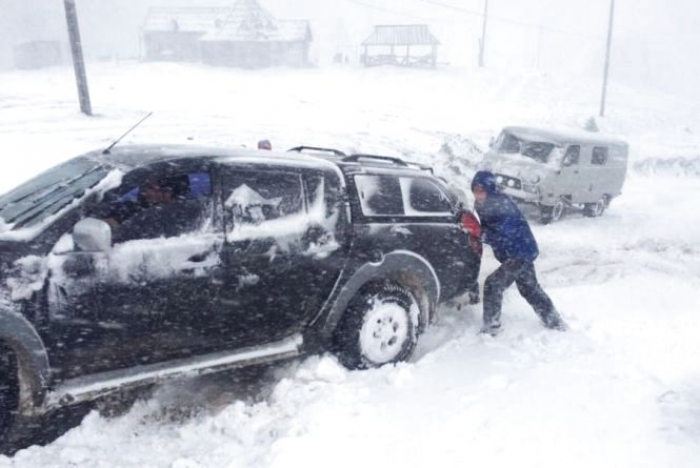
(9, 395)
(593, 210)
(552, 214)
(380, 326)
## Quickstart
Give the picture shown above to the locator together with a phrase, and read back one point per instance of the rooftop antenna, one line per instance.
(116, 142)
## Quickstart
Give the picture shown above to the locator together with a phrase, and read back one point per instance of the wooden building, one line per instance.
(37, 54)
(410, 45)
(244, 35)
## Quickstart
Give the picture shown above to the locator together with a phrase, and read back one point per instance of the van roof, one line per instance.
(563, 135)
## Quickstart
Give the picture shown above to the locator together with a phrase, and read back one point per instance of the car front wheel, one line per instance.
(380, 326)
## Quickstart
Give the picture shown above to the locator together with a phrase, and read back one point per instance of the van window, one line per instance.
(508, 144)
(540, 151)
(600, 155)
(573, 154)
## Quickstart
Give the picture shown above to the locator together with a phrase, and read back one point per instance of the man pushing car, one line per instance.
(505, 229)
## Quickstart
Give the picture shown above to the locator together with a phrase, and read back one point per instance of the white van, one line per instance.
(557, 170)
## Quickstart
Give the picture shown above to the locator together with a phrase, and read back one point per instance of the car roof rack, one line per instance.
(388, 159)
(301, 149)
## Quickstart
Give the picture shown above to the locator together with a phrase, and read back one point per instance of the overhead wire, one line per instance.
(539, 27)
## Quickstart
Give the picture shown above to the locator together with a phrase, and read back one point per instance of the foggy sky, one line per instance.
(655, 45)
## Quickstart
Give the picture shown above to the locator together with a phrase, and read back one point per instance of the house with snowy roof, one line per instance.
(244, 35)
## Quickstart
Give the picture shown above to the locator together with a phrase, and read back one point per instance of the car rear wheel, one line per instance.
(593, 210)
(380, 326)
(552, 214)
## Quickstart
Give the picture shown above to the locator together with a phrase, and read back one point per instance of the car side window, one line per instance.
(572, 156)
(380, 195)
(252, 197)
(600, 155)
(422, 197)
(158, 204)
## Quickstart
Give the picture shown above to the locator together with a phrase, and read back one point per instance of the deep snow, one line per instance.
(620, 389)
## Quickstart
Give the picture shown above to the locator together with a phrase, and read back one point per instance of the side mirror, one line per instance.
(567, 161)
(92, 235)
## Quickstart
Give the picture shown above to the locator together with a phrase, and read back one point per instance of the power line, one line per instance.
(478, 14)
(508, 20)
(385, 10)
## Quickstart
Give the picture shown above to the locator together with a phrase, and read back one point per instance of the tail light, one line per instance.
(470, 224)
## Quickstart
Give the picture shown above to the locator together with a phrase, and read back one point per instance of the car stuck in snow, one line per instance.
(557, 170)
(123, 268)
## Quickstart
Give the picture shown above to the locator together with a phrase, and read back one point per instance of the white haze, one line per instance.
(655, 43)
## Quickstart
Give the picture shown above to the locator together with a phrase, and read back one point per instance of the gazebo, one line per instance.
(410, 45)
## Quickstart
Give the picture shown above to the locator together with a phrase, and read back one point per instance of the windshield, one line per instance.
(540, 151)
(37, 199)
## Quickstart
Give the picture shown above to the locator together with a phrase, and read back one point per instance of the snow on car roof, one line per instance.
(562, 135)
(132, 156)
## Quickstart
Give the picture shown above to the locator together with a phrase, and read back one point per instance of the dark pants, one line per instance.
(523, 274)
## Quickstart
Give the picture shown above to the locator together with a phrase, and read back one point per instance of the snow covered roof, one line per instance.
(128, 157)
(249, 21)
(409, 34)
(246, 21)
(280, 31)
(562, 135)
(184, 19)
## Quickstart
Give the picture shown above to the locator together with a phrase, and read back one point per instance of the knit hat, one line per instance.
(486, 180)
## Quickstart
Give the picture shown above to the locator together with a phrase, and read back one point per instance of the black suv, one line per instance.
(128, 267)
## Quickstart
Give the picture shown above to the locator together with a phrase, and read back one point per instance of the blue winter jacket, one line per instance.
(503, 225)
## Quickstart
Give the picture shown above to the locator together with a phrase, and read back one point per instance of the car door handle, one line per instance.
(199, 257)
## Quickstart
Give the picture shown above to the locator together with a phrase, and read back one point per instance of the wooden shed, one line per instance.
(411, 45)
(37, 54)
(174, 33)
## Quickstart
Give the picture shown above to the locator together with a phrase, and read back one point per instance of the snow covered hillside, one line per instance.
(620, 389)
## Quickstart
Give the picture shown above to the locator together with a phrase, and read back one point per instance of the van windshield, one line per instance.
(45, 195)
(540, 151)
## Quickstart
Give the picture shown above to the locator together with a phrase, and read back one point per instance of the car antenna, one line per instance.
(116, 142)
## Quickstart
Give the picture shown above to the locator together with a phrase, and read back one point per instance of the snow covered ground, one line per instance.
(620, 389)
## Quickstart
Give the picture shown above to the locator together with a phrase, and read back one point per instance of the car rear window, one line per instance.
(380, 195)
(386, 195)
(422, 197)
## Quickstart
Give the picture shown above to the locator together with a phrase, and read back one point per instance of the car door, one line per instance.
(600, 174)
(570, 180)
(266, 221)
(143, 299)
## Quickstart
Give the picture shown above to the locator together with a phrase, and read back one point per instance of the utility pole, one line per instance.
(76, 49)
(607, 58)
(482, 41)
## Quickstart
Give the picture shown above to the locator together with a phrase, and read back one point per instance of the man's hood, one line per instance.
(487, 180)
